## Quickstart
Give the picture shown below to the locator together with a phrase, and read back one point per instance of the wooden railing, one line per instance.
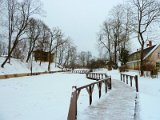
(72, 115)
(80, 71)
(126, 78)
(96, 76)
(27, 74)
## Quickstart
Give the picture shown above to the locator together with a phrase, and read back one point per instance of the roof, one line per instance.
(147, 51)
(151, 51)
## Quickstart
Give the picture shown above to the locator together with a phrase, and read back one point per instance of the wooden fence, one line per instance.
(126, 78)
(80, 71)
(96, 76)
(27, 74)
(72, 114)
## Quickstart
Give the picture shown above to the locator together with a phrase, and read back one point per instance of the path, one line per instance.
(119, 104)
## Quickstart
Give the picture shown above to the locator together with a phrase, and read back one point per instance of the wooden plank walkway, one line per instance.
(119, 104)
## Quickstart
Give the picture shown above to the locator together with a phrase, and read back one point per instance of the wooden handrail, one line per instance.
(27, 74)
(72, 115)
(80, 71)
(96, 76)
(125, 77)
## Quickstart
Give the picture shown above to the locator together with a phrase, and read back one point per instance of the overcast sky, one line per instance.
(79, 19)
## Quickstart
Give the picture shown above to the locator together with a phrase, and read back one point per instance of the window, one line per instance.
(158, 65)
(158, 54)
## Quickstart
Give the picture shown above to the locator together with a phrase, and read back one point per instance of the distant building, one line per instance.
(43, 56)
(151, 56)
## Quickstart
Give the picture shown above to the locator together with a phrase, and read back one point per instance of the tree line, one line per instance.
(21, 33)
(125, 21)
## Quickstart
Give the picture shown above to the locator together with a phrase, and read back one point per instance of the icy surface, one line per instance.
(119, 104)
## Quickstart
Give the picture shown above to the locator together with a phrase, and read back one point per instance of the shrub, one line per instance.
(123, 68)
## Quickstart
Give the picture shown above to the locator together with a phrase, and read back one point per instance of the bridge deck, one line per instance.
(118, 104)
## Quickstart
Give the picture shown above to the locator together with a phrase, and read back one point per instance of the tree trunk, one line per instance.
(49, 62)
(115, 54)
(141, 60)
(9, 54)
(28, 56)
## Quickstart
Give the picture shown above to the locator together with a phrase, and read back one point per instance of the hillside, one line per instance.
(17, 66)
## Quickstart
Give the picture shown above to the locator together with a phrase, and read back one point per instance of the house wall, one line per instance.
(43, 56)
(134, 65)
(154, 58)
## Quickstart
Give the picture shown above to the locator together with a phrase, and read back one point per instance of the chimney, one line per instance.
(149, 43)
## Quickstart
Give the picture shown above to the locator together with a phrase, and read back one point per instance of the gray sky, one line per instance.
(79, 19)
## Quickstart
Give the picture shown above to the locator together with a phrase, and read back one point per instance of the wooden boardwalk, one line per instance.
(119, 104)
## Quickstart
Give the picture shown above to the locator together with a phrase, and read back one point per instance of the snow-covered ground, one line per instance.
(17, 66)
(148, 102)
(148, 97)
(118, 104)
(38, 97)
(48, 96)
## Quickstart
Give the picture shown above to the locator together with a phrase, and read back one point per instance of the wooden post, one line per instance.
(131, 80)
(109, 83)
(99, 86)
(105, 82)
(127, 79)
(121, 76)
(90, 95)
(136, 82)
(72, 115)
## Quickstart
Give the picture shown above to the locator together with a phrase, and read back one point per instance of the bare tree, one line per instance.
(146, 12)
(104, 38)
(69, 54)
(18, 17)
(19, 51)
(3, 48)
(115, 32)
(88, 58)
(73, 57)
(33, 34)
(1, 9)
(55, 42)
(12, 9)
(44, 41)
(82, 58)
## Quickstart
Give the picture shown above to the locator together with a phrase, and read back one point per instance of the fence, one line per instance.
(125, 77)
(80, 71)
(96, 76)
(27, 74)
(72, 115)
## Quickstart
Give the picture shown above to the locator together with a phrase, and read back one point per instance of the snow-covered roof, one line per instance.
(147, 52)
(134, 61)
(151, 51)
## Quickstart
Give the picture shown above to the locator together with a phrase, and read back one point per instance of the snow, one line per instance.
(38, 97)
(148, 96)
(48, 96)
(17, 66)
(119, 104)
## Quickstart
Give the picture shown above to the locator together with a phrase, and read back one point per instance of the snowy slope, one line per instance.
(17, 66)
